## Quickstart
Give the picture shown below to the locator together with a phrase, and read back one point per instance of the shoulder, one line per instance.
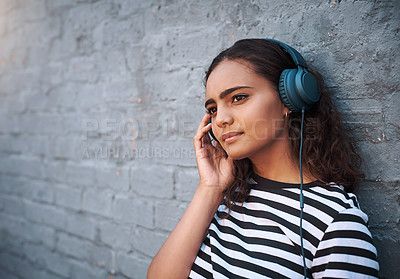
(346, 247)
(333, 200)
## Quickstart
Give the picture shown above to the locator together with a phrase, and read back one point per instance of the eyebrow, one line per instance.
(225, 93)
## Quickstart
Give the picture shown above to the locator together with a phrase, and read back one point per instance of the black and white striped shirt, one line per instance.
(260, 239)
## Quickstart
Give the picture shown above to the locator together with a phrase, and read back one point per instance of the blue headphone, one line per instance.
(297, 87)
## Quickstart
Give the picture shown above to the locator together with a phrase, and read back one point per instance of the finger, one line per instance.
(204, 121)
(201, 131)
(201, 140)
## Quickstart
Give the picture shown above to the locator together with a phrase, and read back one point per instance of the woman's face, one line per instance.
(247, 113)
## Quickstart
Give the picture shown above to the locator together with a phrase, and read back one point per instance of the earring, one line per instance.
(286, 114)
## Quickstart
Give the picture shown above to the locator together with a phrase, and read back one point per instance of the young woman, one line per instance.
(260, 212)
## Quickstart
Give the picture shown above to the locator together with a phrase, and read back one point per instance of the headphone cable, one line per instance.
(301, 196)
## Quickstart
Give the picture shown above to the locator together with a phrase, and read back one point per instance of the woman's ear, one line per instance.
(286, 111)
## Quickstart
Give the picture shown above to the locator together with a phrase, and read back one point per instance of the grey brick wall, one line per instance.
(84, 82)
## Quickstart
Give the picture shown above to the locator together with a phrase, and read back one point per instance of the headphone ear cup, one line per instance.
(287, 88)
(306, 88)
(298, 89)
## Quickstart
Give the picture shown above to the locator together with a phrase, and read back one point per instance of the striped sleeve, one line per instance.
(346, 249)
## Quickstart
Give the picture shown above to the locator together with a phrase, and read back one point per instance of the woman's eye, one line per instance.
(238, 98)
(211, 110)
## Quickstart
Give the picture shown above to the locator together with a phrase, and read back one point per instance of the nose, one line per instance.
(223, 117)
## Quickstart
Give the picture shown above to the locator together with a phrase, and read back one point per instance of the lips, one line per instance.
(231, 136)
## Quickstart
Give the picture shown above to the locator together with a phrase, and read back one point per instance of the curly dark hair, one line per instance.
(327, 153)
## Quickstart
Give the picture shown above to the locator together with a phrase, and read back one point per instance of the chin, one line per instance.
(237, 154)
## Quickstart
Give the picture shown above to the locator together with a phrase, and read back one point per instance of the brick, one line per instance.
(9, 184)
(83, 97)
(57, 6)
(45, 214)
(115, 65)
(131, 31)
(14, 21)
(13, 225)
(40, 234)
(81, 225)
(376, 156)
(6, 80)
(187, 180)
(134, 210)
(37, 54)
(141, 243)
(12, 205)
(116, 178)
(83, 270)
(76, 15)
(65, 147)
(48, 124)
(56, 171)
(383, 211)
(80, 174)
(128, 94)
(125, 265)
(115, 235)
(8, 275)
(41, 191)
(55, 71)
(184, 79)
(31, 167)
(72, 246)
(56, 263)
(46, 259)
(67, 196)
(96, 256)
(27, 166)
(81, 69)
(6, 143)
(35, 10)
(11, 263)
(63, 47)
(22, 145)
(179, 152)
(391, 113)
(34, 272)
(100, 256)
(15, 104)
(98, 201)
(168, 213)
(16, 229)
(160, 185)
(14, 237)
(195, 50)
(24, 269)
(11, 244)
(132, 265)
(10, 123)
(34, 97)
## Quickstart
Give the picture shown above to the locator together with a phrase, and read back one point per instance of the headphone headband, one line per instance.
(298, 88)
(296, 56)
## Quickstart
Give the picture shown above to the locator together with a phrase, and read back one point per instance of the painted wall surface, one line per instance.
(100, 100)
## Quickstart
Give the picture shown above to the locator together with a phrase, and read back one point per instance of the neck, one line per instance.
(276, 163)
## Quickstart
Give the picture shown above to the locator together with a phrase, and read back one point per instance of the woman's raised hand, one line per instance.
(215, 169)
(176, 256)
